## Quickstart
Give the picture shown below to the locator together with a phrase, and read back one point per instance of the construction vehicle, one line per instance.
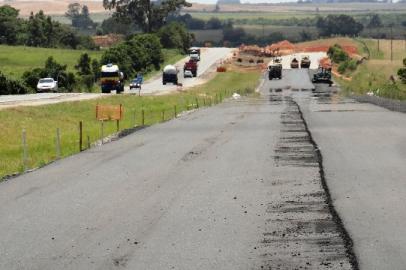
(111, 79)
(170, 75)
(275, 69)
(323, 75)
(192, 66)
(294, 63)
(305, 62)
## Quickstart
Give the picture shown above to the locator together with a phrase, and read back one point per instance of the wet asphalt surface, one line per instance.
(247, 184)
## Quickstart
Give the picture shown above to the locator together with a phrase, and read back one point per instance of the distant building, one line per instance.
(225, 2)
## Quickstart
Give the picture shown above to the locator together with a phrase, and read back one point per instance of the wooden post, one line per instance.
(204, 102)
(163, 115)
(25, 152)
(174, 109)
(102, 131)
(197, 103)
(135, 118)
(88, 141)
(58, 144)
(142, 118)
(391, 44)
(80, 136)
(118, 125)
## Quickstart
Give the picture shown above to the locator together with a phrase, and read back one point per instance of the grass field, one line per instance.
(290, 32)
(15, 60)
(41, 122)
(374, 74)
(251, 15)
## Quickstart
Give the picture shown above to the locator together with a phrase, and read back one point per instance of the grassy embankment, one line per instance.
(41, 122)
(374, 74)
(15, 60)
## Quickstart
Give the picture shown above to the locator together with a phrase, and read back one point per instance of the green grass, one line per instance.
(373, 74)
(15, 60)
(41, 122)
(251, 15)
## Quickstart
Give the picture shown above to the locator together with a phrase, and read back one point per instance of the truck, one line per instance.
(170, 74)
(305, 62)
(275, 69)
(294, 63)
(323, 75)
(192, 66)
(111, 79)
(194, 53)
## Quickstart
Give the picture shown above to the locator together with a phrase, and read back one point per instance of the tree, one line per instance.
(375, 21)
(338, 25)
(214, 23)
(83, 65)
(79, 15)
(175, 35)
(147, 14)
(9, 24)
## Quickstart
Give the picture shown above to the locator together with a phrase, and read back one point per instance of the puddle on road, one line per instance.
(300, 231)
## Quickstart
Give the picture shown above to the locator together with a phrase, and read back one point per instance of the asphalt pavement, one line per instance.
(247, 184)
(209, 59)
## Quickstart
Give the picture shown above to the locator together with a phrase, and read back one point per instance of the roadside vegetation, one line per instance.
(41, 122)
(379, 75)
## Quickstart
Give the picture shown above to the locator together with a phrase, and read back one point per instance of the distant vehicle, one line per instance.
(47, 85)
(275, 71)
(137, 82)
(194, 53)
(305, 62)
(190, 66)
(111, 79)
(323, 75)
(188, 74)
(294, 63)
(170, 74)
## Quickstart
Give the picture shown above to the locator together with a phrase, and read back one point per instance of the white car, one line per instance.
(47, 85)
(194, 57)
(188, 74)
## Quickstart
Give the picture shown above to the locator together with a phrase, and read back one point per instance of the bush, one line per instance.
(175, 36)
(11, 87)
(342, 67)
(337, 54)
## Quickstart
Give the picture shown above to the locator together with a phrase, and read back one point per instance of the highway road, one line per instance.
(246, 184)
(210, 57)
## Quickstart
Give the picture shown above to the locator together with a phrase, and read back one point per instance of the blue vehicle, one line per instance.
(137, 82)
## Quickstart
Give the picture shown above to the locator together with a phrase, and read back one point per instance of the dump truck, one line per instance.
(170, 75)
(275, 69)
(111, 79)
(305, 62)
(294, 63)
(192, 66)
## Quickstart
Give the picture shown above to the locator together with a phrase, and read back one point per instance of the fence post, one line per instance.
(163, 115)
(80, 136)
(135, 118)
(58, 144)
(118, 125)
(142, 117)
(204, 102)
(88, 141)
(102, 131)
(197, 103)
(174, 108)
(25, 154)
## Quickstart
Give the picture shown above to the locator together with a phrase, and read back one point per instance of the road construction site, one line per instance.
(291, 179)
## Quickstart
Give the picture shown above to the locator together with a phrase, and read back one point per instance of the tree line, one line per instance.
(38, 30)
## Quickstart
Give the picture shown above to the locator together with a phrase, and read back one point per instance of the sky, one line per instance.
(244, 1)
